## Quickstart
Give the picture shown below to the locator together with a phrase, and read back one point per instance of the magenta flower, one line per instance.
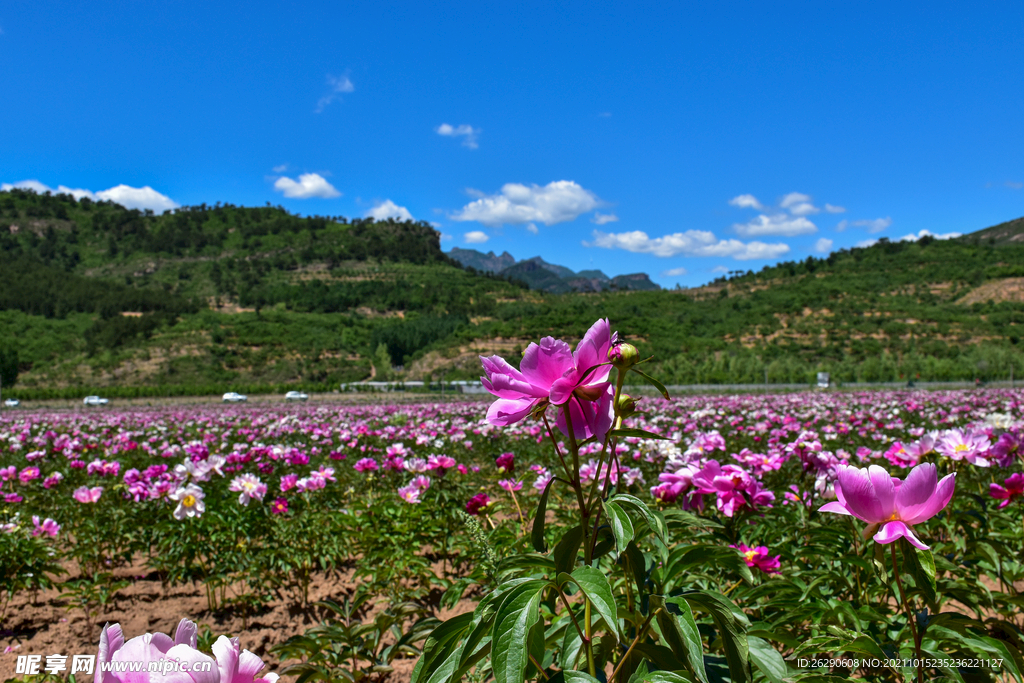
(365, 465)
(552, 373)
(478, 504)
(48, 527)
(28, 474)
(758, 557)
(288, 482)
(895, 505)
(506, 463)
(410, 493)
(1014, 489)
(279, 506)
(84, 494)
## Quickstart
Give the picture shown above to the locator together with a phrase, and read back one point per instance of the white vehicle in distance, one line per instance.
(235, 397)
(12, 403)
(95, 401)
(296, 396)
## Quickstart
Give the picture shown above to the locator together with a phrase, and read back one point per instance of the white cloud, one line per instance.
(281, 169)
(388, 209)
(720, 269)
(532, 227)
(465, 131)
(337, 86)
(804, 209)
(475, 237)
(746, 201)
(674, 272)
(138, 198)
(1014, 185)
(778, 224)
(834, 209)
(867, 243)
(602, 218)
(556, 202)
(308, 185)
(445, 237)
(793, 199)
(823, 246)
(129, 197)
(927, 233)
(691, 243)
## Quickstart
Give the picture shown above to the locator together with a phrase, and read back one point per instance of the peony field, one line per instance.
(560, 530)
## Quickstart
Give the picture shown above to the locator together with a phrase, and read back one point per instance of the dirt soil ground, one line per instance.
(50, 624)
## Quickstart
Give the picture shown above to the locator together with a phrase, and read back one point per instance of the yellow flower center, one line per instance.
(189, 501)
(750, 554)
(960, 447)
(893, 517)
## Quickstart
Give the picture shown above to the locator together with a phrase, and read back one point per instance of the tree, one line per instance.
(8, 366)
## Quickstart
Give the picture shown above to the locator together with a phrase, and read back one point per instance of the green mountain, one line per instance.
(99, 298)
(532, 272)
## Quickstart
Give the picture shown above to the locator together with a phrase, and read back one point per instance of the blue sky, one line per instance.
(682, 141)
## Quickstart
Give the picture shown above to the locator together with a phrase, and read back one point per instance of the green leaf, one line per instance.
(620, 523)
(537, 536)
(731, 628)
(681, 633)
(655, 520)
(639, 433)
(567, 549)
(578, 677)
(440, 645)
(595, 586)
(637, 566)
(657, 385)
(518, 612)
(767, 659)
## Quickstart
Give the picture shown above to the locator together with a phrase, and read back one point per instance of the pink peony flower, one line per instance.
(895, 505)
(506, 463)
(758, 557)
(48, 527)
(510, 485)
(478, 503)
(28, 474)
(1013, 489)
(551, 373)
(288, 482)
(279, 506)
(365, 465)
(84, 494)
(958, 444)
(410, 493)
(250, 488)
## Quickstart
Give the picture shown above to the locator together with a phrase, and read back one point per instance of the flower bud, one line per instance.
(625, 406)
(623, 356)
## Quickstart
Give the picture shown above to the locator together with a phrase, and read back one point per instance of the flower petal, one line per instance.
(939, 499)
(543, 364)
(859, 494)
(892, 531)
(885, 490)
(835, 506)
(915, 492)
(506, 411)
(111, 640)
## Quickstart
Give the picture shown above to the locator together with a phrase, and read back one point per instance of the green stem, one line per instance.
(589, 640)
(910, 615)
(639, 635)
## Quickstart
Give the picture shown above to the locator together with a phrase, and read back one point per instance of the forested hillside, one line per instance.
(96, 296)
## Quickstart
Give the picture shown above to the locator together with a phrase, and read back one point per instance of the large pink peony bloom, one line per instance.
(230, 663)
(552, 373)
(872, 496)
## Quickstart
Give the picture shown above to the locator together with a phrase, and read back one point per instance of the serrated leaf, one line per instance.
(518, 612)
(622, 527)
